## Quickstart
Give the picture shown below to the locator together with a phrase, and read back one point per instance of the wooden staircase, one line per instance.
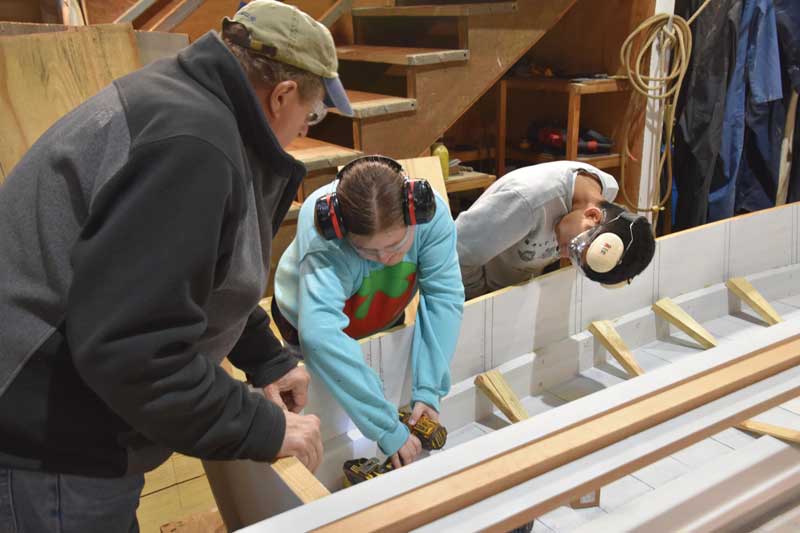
(438, 57)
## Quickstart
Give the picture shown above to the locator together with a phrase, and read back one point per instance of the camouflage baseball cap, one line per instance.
(286, 34)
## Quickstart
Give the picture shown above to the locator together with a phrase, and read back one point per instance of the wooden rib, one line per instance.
(749, 295)
(605, 332)
(299, 479)
(786, 434)
(672, 312)
(441, 497)
(496, 388)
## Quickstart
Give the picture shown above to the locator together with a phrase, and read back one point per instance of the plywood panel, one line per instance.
(514, 311)
(44, 76)
(707, 248)
(470, 356)
(558, 310)
(600, 303)
(761, 241)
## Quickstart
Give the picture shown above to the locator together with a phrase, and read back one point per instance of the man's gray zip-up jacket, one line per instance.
(135, 242)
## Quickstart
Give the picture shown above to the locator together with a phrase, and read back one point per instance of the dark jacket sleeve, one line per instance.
(259, 353)
(145, 263)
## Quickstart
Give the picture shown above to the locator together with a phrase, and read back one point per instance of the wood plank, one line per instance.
(562, 85)
(367, 104)
(400, 56)
(496, 388)
(335, 12)
(429, 502)
(299, 479)
(186, 468)
(749, 295)
(134, 11)
(317, 155)
(670, 311)
(602, 161)
(158, 508)
(180, 12)
(762, 428)
(439, 10)
(44, 76)
(468, 181)
(151, 45)
(605, 332)
(160, 478)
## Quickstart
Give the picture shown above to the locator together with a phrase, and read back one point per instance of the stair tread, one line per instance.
(316, 154)
(367, 104)
(398, 55)
(438, 10)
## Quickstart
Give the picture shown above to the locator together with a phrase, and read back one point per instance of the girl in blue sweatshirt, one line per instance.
(365, 245)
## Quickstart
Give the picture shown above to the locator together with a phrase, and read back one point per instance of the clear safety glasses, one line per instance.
(373, 253)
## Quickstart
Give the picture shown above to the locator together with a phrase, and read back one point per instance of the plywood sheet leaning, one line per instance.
(44, 76)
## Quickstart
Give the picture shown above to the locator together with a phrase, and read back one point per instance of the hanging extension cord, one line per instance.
(662, 33)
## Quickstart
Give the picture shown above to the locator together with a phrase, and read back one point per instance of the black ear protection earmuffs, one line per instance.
(419, 202)
(607, 249)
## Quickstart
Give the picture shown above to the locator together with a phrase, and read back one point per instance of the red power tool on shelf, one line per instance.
(589, 142)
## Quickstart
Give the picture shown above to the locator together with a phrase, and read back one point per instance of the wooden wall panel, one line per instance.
(44, 76)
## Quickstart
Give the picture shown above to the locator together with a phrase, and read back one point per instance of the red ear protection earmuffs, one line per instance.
(419, 202)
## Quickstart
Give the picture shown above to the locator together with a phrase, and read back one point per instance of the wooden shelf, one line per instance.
(441, 10)
(600, 160)
(400, 56)
(467, 181)
(574, 89)
(473, 155)
(317, 155)
(367, 105)
(564, 85)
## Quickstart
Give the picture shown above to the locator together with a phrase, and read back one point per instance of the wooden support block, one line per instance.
(495, 387)
(605, 332)
(749, 295)
(786, 434)
(301, 481)
(671, 312)
(589, 500)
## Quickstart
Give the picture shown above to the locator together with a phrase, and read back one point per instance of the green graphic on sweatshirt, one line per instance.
(393, 281)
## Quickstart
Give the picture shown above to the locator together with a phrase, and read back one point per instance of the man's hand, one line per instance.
(302, 440)
(290, 391)
(407, 453)
(422, 409)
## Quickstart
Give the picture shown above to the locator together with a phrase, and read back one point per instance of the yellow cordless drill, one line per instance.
(432, 436)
